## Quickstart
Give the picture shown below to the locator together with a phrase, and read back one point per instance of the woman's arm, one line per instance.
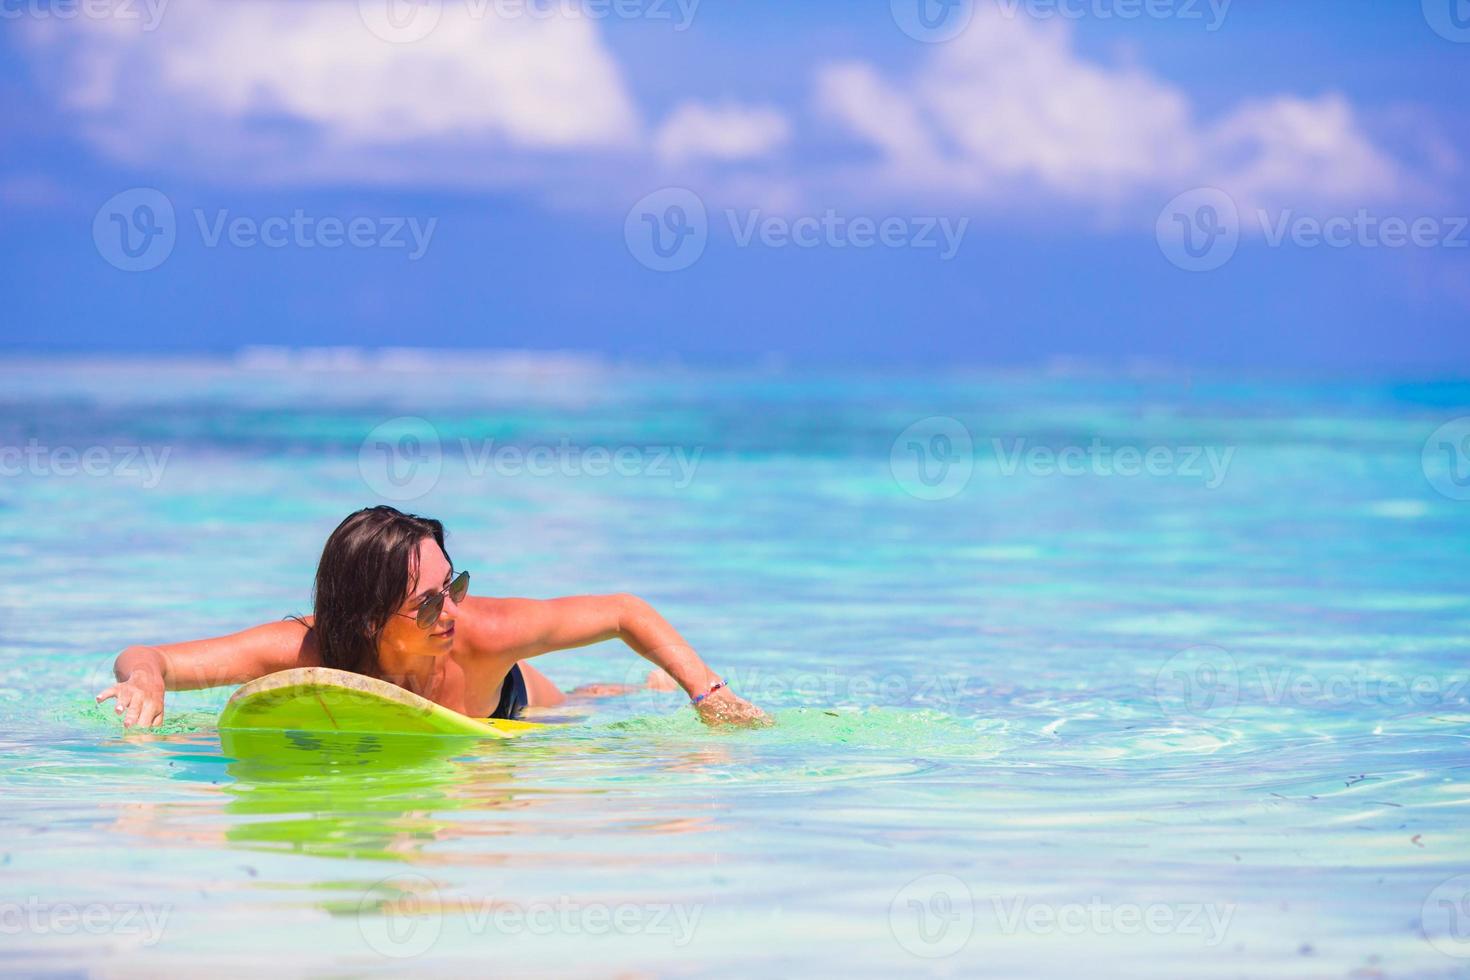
(521, 628)
(145, 672)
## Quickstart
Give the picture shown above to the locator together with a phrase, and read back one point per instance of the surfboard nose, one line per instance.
(323, 699)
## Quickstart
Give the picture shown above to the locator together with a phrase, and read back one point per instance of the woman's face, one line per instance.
(405, 647)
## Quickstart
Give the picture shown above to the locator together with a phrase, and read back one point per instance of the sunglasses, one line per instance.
(433, 605)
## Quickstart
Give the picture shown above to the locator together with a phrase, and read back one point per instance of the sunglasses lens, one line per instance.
(460, 587)
(430, 610)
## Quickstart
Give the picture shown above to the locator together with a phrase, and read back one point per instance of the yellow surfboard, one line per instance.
(320, 699)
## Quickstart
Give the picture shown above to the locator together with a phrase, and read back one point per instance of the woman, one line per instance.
(389, 604)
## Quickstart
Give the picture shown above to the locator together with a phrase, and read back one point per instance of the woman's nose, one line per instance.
(451, 608)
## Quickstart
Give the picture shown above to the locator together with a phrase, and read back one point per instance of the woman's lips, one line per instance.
(446, 633)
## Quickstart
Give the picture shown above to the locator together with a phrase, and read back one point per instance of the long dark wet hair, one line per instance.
(362, 579)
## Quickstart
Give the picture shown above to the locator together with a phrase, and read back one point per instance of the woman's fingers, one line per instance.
(730, 709)
(135, 706)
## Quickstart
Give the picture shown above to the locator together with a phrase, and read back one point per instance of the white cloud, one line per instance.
(858, 97)
(1008, 115)
(1287, 146)
(725, 132)
(1009, 111)
(285, 86)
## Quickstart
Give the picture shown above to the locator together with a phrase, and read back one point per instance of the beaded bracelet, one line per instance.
(700, 697)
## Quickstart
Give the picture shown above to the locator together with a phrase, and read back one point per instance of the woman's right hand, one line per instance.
(233, 659)
(725, 707)
(139, 698)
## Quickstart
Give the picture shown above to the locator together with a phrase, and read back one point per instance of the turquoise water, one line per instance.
(1209, 720)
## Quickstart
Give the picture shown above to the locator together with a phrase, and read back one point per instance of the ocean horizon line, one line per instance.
(347, 359)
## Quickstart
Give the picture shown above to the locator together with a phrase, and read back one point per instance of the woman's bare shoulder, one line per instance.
(303, 631)
(486, 626)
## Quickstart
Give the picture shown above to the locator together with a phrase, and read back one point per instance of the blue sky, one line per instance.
(1063, 153)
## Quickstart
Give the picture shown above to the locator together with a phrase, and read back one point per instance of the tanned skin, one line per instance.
(461, 661)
